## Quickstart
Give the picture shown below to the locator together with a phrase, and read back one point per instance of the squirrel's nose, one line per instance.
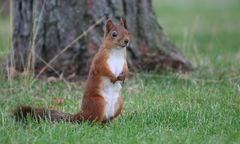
(126, 41)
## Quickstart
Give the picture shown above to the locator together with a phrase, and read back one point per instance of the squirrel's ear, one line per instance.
(123, 22)
(109, 26)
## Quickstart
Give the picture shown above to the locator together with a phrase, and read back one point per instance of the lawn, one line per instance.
(200, 107)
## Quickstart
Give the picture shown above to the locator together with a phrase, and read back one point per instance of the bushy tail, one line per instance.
(23, 112)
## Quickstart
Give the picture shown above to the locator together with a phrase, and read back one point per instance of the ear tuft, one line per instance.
(123, 22)
(109, 26)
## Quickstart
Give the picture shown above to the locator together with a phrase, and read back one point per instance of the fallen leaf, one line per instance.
(12, 72)
(53, 108)
(52, 79)
(132, 90)
(58, 100)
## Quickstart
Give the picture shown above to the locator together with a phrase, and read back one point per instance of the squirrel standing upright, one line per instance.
(101, 101)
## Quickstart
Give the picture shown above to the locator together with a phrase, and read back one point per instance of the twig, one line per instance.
(32, 54)
(68, 46)
(41, 59)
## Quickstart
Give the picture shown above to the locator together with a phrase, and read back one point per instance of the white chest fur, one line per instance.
(111, 91)
(116, 60)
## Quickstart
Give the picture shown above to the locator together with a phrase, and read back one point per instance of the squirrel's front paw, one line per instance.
(113, 79)
(121, 77)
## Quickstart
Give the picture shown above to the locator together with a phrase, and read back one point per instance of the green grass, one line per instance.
(202, 107)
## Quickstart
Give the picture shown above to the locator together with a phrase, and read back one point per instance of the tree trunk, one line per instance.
(43, 28)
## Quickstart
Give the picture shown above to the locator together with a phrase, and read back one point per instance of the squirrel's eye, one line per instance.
(114, 34)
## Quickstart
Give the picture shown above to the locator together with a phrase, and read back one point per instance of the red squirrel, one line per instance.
(101, 100)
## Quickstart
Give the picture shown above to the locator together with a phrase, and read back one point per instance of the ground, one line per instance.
(200, 107)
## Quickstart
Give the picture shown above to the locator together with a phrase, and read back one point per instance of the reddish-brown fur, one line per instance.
(93, 103)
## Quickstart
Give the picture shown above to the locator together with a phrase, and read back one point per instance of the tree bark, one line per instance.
(43, 28)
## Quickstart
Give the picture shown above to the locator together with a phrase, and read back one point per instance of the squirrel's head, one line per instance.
(116, 35)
